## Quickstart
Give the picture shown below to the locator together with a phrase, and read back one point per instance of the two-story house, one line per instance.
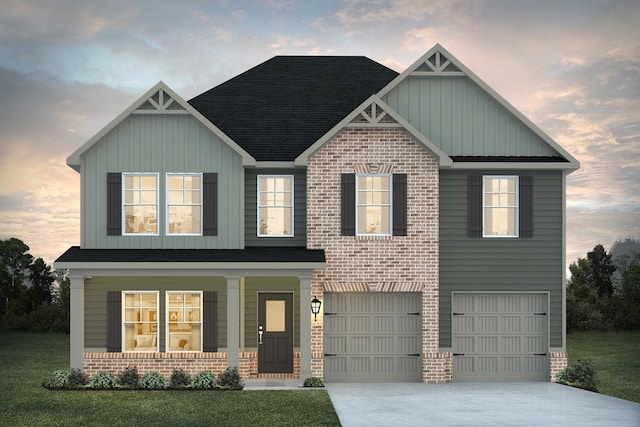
(422, 210)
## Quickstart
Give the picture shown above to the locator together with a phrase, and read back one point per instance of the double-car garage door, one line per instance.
(376, 337)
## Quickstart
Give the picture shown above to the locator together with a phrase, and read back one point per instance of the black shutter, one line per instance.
(348, 204)
(210, 321)
(474, 214)
(399, 204)
(210, 204)
(114, 203)
(526, 206)
(114, 321)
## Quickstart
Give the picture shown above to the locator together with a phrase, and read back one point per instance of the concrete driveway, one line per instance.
(478, 404)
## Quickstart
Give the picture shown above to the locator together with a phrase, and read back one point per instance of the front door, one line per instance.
(275, 332)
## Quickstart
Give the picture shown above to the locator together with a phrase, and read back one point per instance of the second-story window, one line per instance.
(500, 201)
(275, 206)
(140, 203)
(184, 204)
(373, 204)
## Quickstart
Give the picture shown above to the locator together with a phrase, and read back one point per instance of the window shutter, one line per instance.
(210, 204)
(114, 203)
(348, 204)
(399, 204)
(474, 197)
(114, 321)
(210, 321)
(526, 206)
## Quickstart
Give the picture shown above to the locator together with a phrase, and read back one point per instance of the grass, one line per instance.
(26, 359)
(615, 359)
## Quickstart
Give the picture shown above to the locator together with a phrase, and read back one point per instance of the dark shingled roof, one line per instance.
(532, 159)
(279, 108)
(252, 254)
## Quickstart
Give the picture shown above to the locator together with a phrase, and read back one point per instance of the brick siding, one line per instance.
(557, 362)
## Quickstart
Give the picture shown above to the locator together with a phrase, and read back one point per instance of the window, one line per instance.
(275, 206)
(184, 321)
(500, 206)
(140, 203)
(140, 321)
(184, 204)
(373, 205)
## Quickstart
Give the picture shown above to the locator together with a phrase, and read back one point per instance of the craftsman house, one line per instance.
(421, 210)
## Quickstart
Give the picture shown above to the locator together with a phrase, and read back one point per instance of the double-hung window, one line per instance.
(184, 321)
(374, 205)
(184, 204)
(140, 321)
(140, 203)
(275, 206)
(500, 206)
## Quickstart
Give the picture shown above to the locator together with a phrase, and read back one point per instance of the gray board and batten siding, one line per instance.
(460, 118)
(533, 264)
(161, 144)
(95, 297)
(299, 208)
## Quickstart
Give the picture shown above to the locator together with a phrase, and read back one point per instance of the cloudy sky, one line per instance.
(68, 67)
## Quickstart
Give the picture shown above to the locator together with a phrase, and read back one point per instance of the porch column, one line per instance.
(76, 351)
(305, 327)
(233, 320)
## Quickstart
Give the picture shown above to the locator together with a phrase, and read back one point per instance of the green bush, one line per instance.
(59, 379)
(129, 377)
(313, 382)
(77, 378)
(204, 380)
(179, 378)
(230, 379)
(153, 380)
(581, 375)
(103, 380)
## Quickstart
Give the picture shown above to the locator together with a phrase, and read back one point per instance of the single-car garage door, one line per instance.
(500, 337)
(372, 337)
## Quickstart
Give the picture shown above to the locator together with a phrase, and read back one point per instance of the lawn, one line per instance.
(615, 359)
(27, 358)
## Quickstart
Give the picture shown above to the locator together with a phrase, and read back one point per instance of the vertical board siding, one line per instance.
(501, 264)
(462, 119)
(162, 144)
(299, 208)
(98, 288)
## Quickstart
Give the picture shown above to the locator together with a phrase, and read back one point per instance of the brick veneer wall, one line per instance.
(378, 264)
(557, 362)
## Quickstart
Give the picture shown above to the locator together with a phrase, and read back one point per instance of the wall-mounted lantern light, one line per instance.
(315, 307)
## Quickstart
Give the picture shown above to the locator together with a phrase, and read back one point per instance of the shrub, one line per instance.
(230, 379)
(179, 378)
(581, 375)
(129, 377)
(313, 382)
(153, 380)
(77, 378)
(103, 380)
(59, 379)
(204, 380)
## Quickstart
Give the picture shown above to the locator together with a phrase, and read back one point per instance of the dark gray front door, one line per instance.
(275, 332)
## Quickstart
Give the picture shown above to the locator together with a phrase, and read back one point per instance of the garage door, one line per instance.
(500, 337)
(372, 337)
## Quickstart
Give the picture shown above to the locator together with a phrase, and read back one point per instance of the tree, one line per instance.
(583, 308)
(602, 269)
(15, 260)
(41, 278)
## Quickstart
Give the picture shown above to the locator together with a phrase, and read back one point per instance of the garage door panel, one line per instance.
(500, 337)
(383, 334)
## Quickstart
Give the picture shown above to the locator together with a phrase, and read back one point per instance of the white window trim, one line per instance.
(291, 178)
(166, 195)
(124, 204)
(517, 207)
(390, 233)
(124, 319)
(166, 321)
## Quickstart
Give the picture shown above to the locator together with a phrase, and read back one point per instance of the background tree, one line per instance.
(15, 260)
(602, 269)
(41, 280)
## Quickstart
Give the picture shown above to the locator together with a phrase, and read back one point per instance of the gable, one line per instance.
(464, 117)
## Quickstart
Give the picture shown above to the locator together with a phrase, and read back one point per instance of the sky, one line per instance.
(68, 67)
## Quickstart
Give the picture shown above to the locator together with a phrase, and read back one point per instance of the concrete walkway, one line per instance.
(478, 404)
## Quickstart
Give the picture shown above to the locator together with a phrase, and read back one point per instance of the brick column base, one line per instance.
(437, 367)
(557, 362)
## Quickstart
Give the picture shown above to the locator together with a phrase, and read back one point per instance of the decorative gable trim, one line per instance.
(160, 99)
(375, 113)
(440, 62)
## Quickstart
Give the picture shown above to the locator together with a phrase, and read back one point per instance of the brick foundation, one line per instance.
(164, 363)
(557, 362)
